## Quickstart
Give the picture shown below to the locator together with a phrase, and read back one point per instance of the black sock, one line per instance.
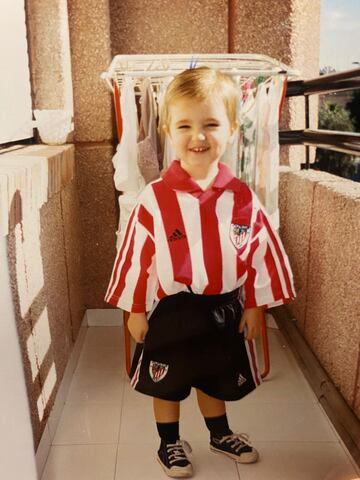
(218, 426)
(169, 432)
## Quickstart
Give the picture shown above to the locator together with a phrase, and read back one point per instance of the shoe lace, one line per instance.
(237, 440)
(177, 451)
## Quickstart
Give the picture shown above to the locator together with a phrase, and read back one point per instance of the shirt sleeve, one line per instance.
(133, 280)
(269, 281)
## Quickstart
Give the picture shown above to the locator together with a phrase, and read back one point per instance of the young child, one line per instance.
(198, 263)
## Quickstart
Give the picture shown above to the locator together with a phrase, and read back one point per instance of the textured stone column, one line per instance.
(99, 215)
(48, 36)
(89, 25)
(166, 26)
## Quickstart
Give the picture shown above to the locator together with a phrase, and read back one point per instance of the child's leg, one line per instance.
(210, 406)
(166, 411)
(167, 414)
(214, 413)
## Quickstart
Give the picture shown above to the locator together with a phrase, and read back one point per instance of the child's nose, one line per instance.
(200, 136)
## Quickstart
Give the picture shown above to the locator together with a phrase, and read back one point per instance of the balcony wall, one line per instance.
(40, 217)
(320, 227)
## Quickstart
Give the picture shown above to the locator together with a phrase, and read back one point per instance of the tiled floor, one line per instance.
(107, 432)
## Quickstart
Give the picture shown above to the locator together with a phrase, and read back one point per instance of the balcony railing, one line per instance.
(345, 142)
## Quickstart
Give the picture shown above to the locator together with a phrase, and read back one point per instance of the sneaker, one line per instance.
(173, 459)
(235, 446)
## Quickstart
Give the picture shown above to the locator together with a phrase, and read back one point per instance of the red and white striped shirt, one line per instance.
(213, 241)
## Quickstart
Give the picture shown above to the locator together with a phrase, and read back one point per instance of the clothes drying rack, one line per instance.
(167, 65)
(156, 67)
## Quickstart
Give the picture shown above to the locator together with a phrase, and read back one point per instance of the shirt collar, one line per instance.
(178, 179)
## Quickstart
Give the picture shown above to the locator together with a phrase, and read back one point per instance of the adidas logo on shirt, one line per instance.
(176, 235)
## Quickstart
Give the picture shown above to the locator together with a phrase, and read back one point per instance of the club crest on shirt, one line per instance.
(239, 234)
(157, 370)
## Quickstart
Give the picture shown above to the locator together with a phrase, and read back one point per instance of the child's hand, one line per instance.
(252, 318)
(138, 326)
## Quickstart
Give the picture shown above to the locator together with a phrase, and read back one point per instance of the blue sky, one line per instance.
(340, 33)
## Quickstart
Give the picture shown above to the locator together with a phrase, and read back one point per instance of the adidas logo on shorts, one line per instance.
(176, 235)
(241, 380)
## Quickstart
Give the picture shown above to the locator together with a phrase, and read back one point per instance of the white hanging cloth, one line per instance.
(127, 201)
(248, 126)
(127, 175)
(150, 157)
(267, 159)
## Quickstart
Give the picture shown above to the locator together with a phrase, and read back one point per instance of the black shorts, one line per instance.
(193, 341)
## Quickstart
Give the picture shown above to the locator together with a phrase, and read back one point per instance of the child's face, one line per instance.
(199, 130)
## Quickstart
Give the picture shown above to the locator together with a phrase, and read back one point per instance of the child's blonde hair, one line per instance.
(200, 84)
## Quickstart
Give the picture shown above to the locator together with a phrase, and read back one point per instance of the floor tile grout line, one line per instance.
(82, 444)
(120, 420)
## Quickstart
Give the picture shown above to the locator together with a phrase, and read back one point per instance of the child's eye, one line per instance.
(212, 125)
(183, 126)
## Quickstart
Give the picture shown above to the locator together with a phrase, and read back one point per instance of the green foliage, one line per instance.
(335, 117)
(354, 108)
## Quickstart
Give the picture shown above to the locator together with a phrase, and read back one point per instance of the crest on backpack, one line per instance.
(239, 234)
(157, 370)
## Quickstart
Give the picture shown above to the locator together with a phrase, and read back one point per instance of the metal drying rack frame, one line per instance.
(167, 65)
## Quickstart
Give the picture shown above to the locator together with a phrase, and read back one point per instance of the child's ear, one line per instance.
(233, 129)
(166, 129)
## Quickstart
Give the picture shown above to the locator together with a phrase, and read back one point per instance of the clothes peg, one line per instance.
(193, 62)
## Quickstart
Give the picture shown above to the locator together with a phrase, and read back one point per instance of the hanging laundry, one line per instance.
(262, 143)
(150, 157)
(127, 175)
(231, 154)
(272, 178)
(119, 125)
(127, 202)
(248, 117)
(267, 160)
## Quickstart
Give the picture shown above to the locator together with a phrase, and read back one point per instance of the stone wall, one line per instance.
(44, 251)
(320, 227)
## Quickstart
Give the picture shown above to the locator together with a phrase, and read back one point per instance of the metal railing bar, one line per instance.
(328, 139)
(334, 77)
(307, 126)
(300, 87)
